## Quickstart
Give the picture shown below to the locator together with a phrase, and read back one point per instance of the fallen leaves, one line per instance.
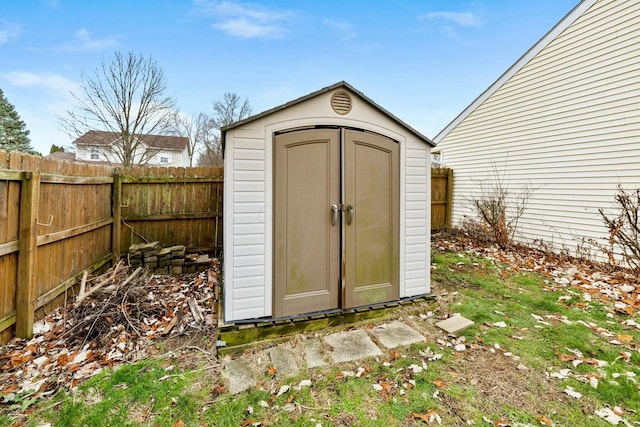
(625, 338)
(428, 417)
(572, 392)
(285, 388)
(586, 289)
(544, 421)
(439, 383)
(114, 323)
(612, 416)
(574, 278)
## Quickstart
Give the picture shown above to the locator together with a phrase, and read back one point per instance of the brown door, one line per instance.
(336, 201)
(372, 219)
(306, 242)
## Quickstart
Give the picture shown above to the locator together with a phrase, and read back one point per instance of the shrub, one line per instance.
(624, 229)
(499, 209)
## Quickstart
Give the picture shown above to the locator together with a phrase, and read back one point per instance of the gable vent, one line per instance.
(341, 102)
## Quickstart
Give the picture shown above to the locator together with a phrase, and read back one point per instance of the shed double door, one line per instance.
(336, 220)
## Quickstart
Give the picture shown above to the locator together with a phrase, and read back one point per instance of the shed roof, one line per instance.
(102, 138)
(564, 23)
(341, 84)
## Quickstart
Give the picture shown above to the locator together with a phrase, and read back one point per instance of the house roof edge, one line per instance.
(562, 25)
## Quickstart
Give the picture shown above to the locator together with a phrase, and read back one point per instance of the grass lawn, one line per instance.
(541, 352)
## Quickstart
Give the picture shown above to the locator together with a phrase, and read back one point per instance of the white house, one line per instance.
(154, 150)
(564, 119)
(326, 207)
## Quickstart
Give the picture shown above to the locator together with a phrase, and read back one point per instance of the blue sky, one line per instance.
(423, 61)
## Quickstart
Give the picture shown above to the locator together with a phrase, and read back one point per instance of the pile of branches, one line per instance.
(117, 303)
(112, 320)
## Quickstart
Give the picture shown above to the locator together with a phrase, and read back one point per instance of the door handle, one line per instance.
(349, 214)
(334, 214)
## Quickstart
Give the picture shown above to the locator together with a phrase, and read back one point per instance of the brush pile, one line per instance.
(116, 317)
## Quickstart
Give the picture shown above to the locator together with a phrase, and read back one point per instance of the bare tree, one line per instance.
(198, 129)
(126, 96)
(225, 112)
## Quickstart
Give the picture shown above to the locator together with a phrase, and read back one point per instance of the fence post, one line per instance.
(449, 198)
(27, 248)
(116, 203)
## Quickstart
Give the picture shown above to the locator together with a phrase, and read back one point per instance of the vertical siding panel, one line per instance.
(417, 206)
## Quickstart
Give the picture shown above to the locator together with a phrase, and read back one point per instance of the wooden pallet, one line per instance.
(234, 338)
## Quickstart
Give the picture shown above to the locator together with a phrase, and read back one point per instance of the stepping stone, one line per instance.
(240, 376)
(352, 345)
(314, 354)
(396, 334)
(284, 361)
(454, 324)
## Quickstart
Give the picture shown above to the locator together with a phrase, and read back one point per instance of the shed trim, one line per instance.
(341, 84)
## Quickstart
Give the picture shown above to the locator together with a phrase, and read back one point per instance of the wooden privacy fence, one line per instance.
(175, 206)
(59, 219)
(441, 198)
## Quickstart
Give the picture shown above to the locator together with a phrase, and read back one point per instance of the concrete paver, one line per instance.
(356, 344)
(351, 345)
(454, 324)
(395, 334)
(284, 361)
(314, 355)
(239, 375)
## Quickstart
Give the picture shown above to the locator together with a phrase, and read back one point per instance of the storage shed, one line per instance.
(326, 207)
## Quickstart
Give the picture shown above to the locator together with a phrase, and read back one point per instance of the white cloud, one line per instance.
(245, 28)
(461, 19)
(345, 29)
(244, 20)
(9, 31)
(40, 99)
(84, 41)
(50, 82)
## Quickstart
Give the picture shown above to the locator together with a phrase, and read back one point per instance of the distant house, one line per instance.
(564, 119)
(154, 150)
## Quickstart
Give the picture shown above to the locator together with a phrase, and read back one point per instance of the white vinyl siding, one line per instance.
(247, 298)
(417, 219)
(567, 123)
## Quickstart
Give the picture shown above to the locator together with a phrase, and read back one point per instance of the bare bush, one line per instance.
(476, 230)
(499, 209)
(624, 229)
